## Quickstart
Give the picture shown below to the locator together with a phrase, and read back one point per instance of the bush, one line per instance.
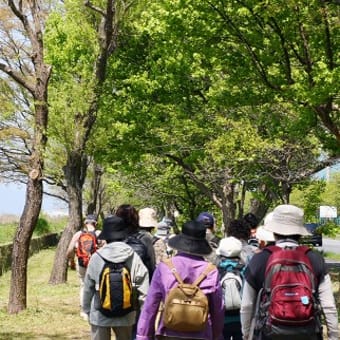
(42, 227)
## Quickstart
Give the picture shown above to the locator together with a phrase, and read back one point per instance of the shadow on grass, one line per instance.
(31, 336)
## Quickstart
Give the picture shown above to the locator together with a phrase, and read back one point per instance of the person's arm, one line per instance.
(247, 310)
(140, 279)
(89, 286)
(216, 309)
(327, 301)
(71, 246)
(146, 321)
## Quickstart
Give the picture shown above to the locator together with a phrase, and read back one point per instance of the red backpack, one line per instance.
(87, 245)
(288, 306)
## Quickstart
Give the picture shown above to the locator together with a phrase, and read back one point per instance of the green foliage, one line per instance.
(7, 232)
(42, 227)
(329, 229)
(185, 89)
(308, 196)
(331, 195)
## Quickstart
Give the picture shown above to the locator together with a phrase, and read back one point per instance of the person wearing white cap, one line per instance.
(147, 222)
(228, 260)
(287, 226)
(160, 241)
(264, 236)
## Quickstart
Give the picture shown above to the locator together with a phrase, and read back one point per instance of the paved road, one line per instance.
(330, 245)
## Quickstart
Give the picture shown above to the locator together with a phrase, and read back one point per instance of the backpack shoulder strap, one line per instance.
(209, 268)
(169, 263)
(272, 249)
(155, 239)
(138, 235)
(303, 249)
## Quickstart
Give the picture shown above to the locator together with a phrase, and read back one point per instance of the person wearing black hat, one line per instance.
(209, 222)
(117, 251)
(189, 262)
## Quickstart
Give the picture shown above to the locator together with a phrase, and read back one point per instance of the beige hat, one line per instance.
(263, 234)
(229, 247)
(286, 219)
(147, 218)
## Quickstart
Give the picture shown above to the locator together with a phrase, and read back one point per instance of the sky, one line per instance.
(12, 199)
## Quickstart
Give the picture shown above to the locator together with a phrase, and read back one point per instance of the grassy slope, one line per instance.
(53, 311)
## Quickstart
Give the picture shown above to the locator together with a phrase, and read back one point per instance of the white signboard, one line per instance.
(328, 212)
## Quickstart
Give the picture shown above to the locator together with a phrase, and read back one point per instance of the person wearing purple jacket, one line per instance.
(191, 246)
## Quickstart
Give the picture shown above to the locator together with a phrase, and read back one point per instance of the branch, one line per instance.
(190, 172)
(89, 4)
(56, 196)
(17, 77)
(253, 56)
(288, 69)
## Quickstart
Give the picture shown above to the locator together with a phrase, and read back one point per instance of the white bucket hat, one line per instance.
(286, 219)
(263, 234)
(229, 247)
(147, 218)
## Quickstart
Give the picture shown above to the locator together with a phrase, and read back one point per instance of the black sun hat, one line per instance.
(114, 229)
(192, 239)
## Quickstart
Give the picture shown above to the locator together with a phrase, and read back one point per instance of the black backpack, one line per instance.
(115, 290)
(135, 242)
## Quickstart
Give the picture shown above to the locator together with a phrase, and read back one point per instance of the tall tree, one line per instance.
(22, 60)
(83, 42)
(291, 48)
(188, 97)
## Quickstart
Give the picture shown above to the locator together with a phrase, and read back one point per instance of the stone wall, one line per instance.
(37, 243)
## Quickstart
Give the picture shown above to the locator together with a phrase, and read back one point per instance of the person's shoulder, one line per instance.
(318, 263)
(145, 237)
(77, 234)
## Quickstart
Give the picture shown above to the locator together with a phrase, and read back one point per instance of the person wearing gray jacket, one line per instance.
(287, 225)
(114, 232)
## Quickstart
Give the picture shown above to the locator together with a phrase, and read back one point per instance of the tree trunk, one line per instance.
(17, 296)
(258, 208)
(228, 206)
(286, 191)
(74, 172)
(94, 204)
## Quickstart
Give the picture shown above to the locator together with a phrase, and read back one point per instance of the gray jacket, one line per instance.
(116, 252)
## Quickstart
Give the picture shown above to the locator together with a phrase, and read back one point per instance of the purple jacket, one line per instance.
(189, 268)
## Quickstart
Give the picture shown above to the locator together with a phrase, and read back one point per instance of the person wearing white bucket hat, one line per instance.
(286, 223)
(263, 235)
(286, 220)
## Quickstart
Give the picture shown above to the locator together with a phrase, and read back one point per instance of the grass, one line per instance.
(7, 232)
(53, 310)
(51, 225)
(332, 256)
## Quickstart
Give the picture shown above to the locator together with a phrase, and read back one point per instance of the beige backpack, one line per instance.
(186, 307)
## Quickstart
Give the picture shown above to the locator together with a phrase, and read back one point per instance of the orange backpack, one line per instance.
(87, 245)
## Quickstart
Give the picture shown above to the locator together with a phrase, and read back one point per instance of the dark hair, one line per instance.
(239, 229)
(252, 220)
(130, 215)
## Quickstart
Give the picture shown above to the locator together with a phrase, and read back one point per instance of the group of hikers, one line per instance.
(142, 281)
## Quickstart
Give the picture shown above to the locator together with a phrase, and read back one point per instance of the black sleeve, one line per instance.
(318, 264)
(255, 270)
